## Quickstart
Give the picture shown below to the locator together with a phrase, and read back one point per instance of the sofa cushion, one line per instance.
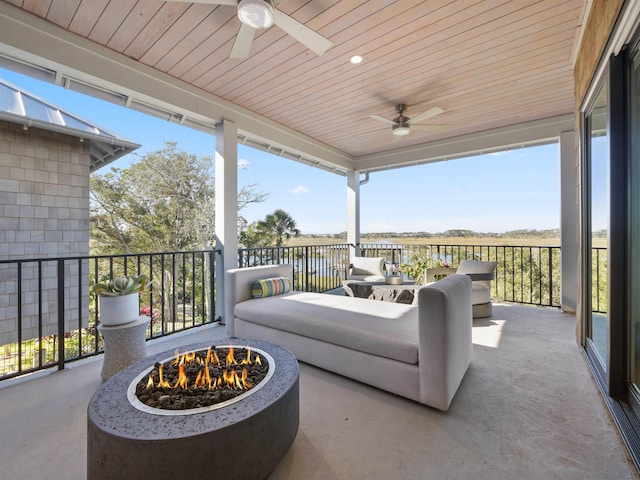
(267, 287)
(384, 329)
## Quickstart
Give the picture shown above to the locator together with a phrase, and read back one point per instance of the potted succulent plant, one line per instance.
(119, 299)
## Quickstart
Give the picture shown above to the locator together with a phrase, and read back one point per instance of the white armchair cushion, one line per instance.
(480, 294)
(367, 268)
(475, 266)
(481, 289)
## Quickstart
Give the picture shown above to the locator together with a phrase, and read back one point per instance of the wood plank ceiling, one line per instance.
(487, 63)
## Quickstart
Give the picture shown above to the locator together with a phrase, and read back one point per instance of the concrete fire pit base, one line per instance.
(245, 440)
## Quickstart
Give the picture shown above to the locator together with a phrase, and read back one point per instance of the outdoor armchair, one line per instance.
(481, 274)
(367, 269)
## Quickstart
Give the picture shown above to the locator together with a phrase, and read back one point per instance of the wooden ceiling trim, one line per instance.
(110, 20)
(372, 31)
(500, 71)
(212, 51)
(63, 12)
(39, 7)
(169, 49)
(554, 103)
(264, 65)
(139, 17)
(154, 29)
(86, 16)
(446, 68)
(460, 52)
(204, 39)
(335, 58)
(441, 94)
(471, 79)
(271, 61)
(488, 63)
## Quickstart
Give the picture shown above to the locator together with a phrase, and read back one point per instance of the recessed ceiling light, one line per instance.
(355, 59)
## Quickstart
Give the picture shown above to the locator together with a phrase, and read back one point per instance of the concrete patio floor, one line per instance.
(528, 408)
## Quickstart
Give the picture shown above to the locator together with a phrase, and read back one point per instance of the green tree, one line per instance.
(275, 228)
(164, 202)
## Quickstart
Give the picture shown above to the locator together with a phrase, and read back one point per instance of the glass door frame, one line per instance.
(614, 373)
(586, 231)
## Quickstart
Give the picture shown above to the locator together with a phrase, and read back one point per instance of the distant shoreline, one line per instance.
(440, 239)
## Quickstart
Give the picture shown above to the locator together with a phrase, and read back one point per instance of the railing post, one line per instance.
(550, 276)
(212, 293)
(19, 291)
(306, 269)
(61, 314)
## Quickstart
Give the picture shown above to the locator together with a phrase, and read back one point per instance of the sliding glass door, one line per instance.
(634, 224)
(597, 223)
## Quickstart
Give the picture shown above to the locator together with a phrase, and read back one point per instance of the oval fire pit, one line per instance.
(243, 440)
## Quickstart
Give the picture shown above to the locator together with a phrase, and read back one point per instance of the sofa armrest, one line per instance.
(238, 283)
(444, 333)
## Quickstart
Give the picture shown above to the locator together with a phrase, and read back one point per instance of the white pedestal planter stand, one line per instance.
(123, 345)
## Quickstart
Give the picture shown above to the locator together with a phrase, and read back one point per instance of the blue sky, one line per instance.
(518, 189)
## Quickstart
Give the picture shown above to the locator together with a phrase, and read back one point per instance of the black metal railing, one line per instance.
(49, 318)
(317, 268)
(599, 283)
(55, 317)
(528, 275)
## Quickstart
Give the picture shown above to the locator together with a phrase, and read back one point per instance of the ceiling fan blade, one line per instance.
(434, 127)
(382, 119)
(209, 2)
(432, 112)
(310, 39)
(242, 46)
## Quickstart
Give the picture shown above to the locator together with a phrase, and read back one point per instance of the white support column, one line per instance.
(226, 165)
(569, 222)
(353, 211)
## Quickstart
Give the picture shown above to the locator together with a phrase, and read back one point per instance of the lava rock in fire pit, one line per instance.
(202, 378)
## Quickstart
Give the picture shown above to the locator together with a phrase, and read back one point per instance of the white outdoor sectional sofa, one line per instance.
(417, 351)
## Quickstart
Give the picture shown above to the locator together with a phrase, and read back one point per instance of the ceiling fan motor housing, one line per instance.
(256, 13)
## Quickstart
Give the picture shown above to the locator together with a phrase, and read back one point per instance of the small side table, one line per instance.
(123, 345)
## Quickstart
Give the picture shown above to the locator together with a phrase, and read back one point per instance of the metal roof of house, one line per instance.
(19, 106)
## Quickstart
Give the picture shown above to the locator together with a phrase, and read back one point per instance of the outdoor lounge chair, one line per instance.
(481, 274)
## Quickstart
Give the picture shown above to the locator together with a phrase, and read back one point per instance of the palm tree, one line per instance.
(276, 227)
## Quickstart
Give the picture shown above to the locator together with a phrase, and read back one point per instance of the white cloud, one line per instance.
(299, 190)
(243, 163)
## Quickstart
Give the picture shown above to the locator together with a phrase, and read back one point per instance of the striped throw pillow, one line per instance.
(267, 287)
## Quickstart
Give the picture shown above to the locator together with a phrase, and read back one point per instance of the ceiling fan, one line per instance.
(259, 14)
(402, 124)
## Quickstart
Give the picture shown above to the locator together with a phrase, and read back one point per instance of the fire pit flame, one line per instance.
(183, 381)
(201, 379)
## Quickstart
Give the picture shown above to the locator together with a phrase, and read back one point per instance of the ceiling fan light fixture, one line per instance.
(256, 13)
(401, 130)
